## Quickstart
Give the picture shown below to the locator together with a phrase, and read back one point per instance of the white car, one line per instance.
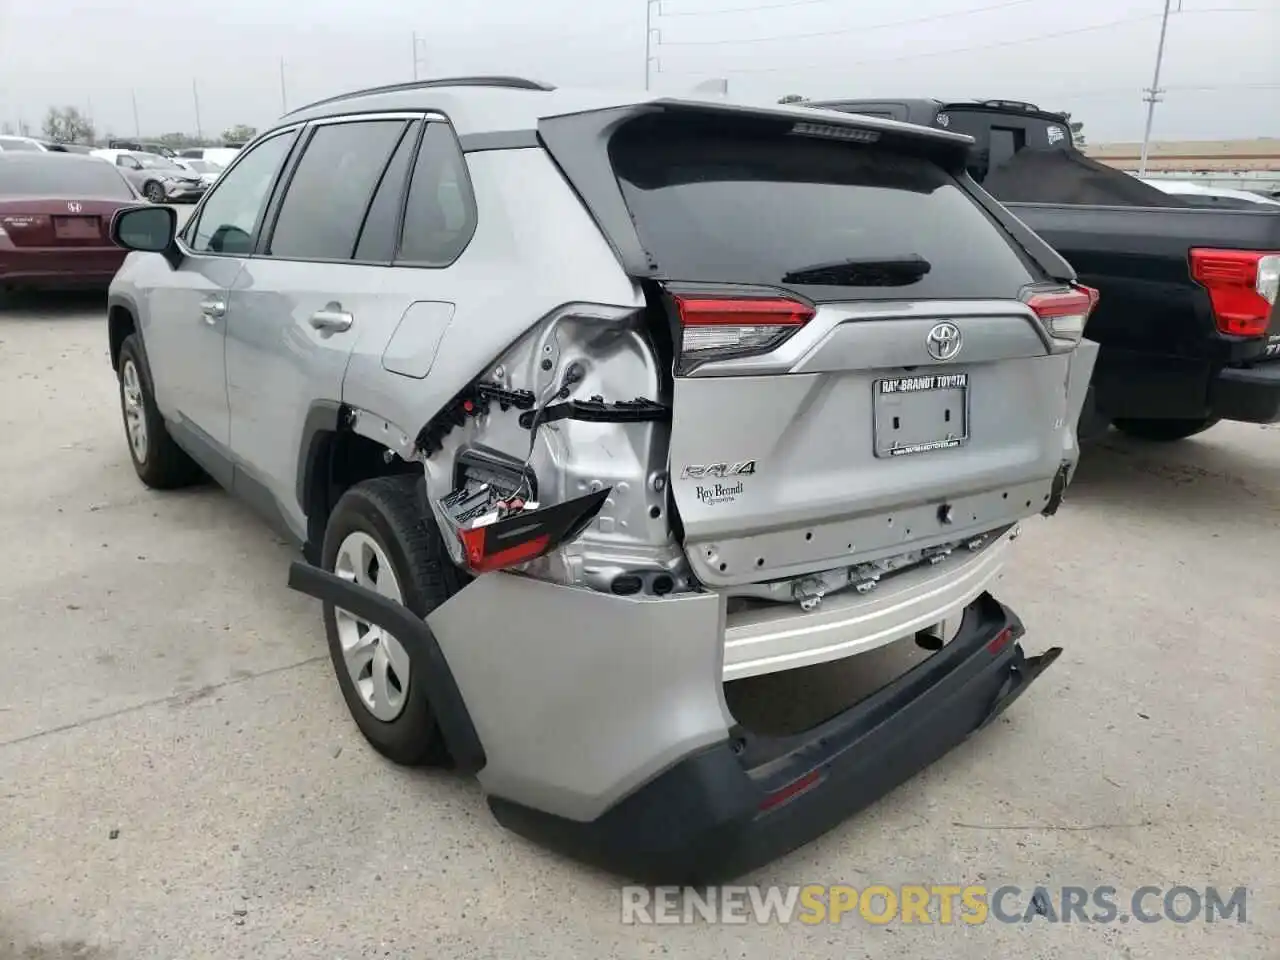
(222, 156)
(207, 170)
(1200, 196)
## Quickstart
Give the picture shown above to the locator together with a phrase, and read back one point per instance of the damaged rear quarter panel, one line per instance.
(535, 248)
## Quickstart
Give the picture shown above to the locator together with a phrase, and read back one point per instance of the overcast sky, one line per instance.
(1093, 57)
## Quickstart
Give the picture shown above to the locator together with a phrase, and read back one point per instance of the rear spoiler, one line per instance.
(579, 145)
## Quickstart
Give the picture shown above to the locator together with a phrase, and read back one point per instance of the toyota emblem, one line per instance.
(943, 341)
(73, 206)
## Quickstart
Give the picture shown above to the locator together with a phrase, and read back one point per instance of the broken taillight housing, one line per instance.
(497, 529)
(1064, 312)
(1242, 287)
(720, 327)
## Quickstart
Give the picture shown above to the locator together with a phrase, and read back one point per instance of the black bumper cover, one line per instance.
(736, 806)
(1250, 395)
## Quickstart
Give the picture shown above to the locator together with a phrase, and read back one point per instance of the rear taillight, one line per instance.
(1242, 287)
(726, 328)
(1064, 312)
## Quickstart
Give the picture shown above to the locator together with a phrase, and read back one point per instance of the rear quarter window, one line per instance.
(775, 209)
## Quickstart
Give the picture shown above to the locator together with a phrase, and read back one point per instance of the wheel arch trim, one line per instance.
(120, 301)
(442, 689)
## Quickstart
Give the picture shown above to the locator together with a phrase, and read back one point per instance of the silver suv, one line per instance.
(581, 406)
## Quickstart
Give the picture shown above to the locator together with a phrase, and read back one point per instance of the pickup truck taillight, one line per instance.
(1064, 312)
(1242, 287)
(724, 328)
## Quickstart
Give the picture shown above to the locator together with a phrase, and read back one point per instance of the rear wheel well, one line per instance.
(338, 460)
(120, 324)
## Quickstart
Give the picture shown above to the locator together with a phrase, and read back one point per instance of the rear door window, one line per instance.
(330, 189)
(831, 219)
(377, 241)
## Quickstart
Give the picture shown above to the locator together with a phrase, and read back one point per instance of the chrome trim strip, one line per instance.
(791, 355)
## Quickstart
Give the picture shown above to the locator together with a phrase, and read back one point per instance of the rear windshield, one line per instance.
(16, 145)
(62, 176)
(830, 219)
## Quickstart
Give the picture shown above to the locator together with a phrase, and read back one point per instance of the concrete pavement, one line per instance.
(179, 777)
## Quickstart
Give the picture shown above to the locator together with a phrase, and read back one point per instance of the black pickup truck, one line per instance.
(1187, 323)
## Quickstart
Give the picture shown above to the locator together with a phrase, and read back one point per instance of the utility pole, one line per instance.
(137, 127)
(284, 97)
(418, 43)
(650, 31)
(195, 96)
(1153, 93)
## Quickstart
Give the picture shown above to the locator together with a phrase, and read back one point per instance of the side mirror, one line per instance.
(150, 229)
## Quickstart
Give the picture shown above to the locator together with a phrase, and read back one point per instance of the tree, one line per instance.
(177, 140)
(792, 98)
(67, 125)
(240, 133)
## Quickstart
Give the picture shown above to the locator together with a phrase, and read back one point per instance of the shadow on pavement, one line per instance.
(53, 305)
(1201, 472)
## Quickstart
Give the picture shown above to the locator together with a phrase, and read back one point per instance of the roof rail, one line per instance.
(510, 83)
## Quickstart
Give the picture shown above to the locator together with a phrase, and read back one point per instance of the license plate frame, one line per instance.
(921, 413)
(77, 228)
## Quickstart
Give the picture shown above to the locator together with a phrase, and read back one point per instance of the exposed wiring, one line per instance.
(572, 375)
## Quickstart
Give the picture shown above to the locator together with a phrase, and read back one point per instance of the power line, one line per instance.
(1123, 93)
(763, 6)
(844, 65)
(862, 29)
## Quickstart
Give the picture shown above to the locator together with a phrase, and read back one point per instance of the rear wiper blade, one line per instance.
(863, 272)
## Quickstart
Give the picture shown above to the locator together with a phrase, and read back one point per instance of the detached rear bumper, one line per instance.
(730, 808)
(1249, 395)
(598, 726)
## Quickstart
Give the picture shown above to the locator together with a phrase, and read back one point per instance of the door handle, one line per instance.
(213, 310)
(332, 321)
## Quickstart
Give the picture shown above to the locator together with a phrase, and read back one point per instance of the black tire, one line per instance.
(1164, 431)
(162, 464)
(389, 510)
(153, 191)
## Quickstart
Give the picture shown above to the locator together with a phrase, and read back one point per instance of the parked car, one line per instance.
(206, 170)
(157, 178)
(141, 146)
(58, 147)
(1188, 328)
(628, 398)
(1221, 198)
(219, 155)
(22, 144)
(55, 217)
